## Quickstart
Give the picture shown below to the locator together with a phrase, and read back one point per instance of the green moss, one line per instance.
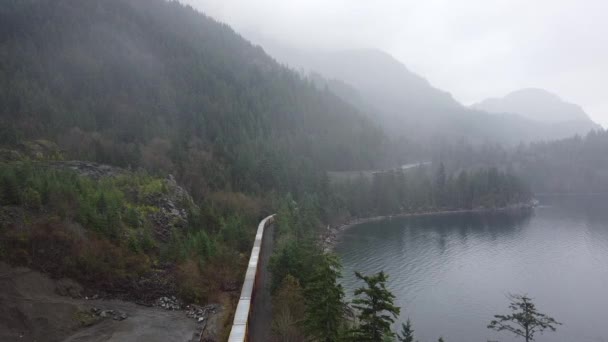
(86, 318)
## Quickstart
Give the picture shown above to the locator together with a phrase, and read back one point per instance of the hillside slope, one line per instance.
(157, 89)
(153, 83)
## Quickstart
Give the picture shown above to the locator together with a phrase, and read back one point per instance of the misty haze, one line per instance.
(230, 170)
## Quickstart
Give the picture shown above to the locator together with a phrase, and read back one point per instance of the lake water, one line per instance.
(452, 273)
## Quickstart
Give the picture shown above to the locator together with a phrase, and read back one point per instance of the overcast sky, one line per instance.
(472, 48)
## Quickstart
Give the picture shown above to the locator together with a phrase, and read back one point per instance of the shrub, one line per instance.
(190, 282)
(9, 188)
(235, 234)
(32, 199)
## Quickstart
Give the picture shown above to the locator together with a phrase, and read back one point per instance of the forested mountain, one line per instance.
(573, 165)
(431, 189)
(153, 88)
(543, 106)
(156, 84)
(203, 134)
(406, 104)
(577, 164)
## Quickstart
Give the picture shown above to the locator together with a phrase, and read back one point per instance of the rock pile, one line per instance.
(114, 314)
(172, 213)
(169, 303)
(201, 314)
(89, 169)
(168, 217)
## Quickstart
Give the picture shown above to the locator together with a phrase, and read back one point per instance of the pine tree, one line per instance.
(524, 321)
(325, 307)
(407, 333)
(376, 309)
(440, 180)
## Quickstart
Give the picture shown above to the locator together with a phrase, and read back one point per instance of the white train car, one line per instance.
(240, 325)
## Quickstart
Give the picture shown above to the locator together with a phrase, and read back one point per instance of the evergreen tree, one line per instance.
(325, 307)
(524, 321)
(288, 308)
(296, 258)
(407, 333)
(376, 309)
(440, 186)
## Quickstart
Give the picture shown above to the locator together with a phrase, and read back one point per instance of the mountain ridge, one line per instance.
(408, 105)
(536, 104)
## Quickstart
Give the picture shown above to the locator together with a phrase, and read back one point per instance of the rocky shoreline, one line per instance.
(332, 236)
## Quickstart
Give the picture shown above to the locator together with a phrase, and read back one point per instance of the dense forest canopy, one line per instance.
(156, 84)
(574, 165)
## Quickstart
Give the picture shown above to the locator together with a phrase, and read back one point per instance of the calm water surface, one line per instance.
(451, 273)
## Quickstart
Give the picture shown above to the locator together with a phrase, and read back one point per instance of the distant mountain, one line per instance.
(406, 104)
(542, 106)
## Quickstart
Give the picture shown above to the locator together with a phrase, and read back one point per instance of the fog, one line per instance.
(474, 49)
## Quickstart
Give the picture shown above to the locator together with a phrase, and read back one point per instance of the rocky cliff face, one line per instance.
(172, 204)
(172, 207)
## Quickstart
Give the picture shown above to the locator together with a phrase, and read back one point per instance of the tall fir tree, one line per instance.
(325, 307)
(407, 332)
(376, 309)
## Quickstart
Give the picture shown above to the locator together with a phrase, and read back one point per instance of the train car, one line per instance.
(240, 325)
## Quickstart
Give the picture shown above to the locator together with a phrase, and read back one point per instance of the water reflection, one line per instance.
(451, 272)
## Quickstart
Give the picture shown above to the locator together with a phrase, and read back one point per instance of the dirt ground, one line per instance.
(32, 309)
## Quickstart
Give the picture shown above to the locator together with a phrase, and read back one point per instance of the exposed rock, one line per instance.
(40, 150)
(208, 320)
(212, 322)
(69, 288)
(154, 285)
(120, 317)
(7, 155)
(172, 212)
(89, 169)
(169, 303)
(113, 314)
(202, 313)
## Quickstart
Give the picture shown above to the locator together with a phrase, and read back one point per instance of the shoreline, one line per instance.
(332, 236)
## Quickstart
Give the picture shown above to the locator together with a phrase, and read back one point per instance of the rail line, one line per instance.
(242, 316)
